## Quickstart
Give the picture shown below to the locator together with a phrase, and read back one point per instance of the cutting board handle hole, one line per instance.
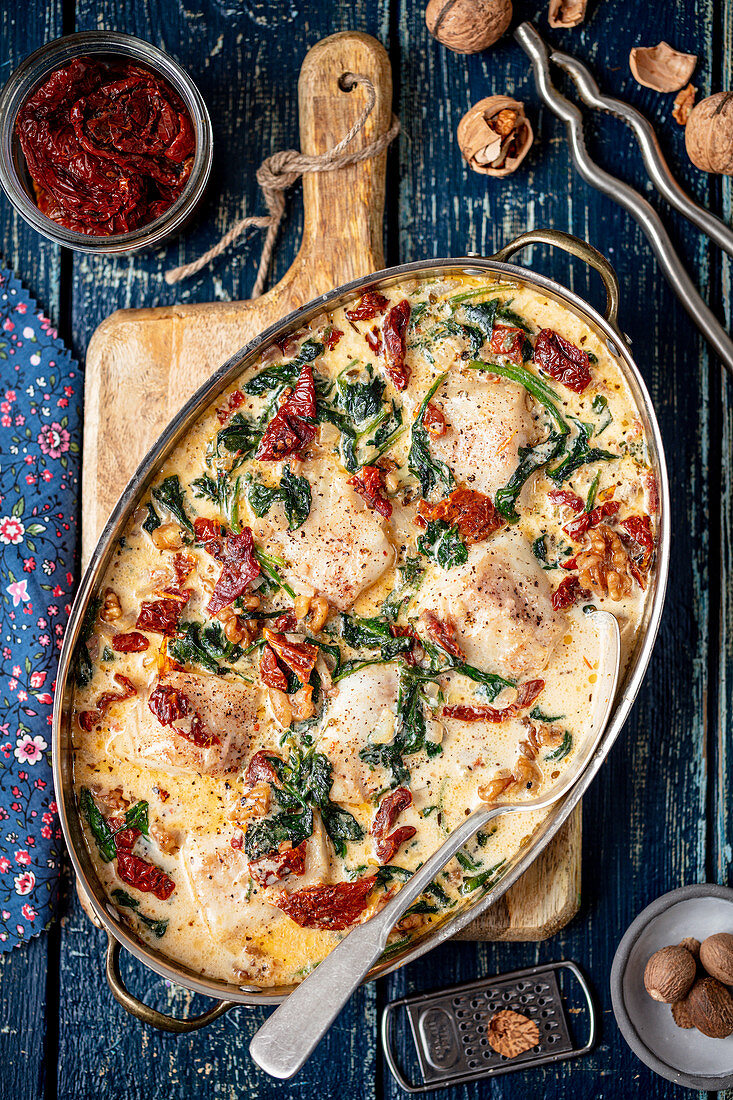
(346, 82)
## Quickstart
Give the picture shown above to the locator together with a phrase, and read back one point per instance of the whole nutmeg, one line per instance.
(716, 955)
(669, 974)
(710, 1007)
(468, 26)
(680, 1015)
(709, 134)
(495, 135)
(692, 945)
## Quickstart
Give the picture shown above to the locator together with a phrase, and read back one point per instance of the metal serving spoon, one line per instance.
(290, 1035)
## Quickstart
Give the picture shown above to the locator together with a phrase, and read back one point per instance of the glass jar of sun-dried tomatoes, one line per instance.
(113, 84)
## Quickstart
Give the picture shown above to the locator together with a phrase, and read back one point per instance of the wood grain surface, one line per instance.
(659, 814)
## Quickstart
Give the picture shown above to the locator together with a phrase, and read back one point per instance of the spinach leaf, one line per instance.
(204, 644)
(482, 315)
(266, 836)
(125, 900)
(580, 454)
(152, 521)
(539, 548)
(449, 327)
(443, 543)
(269, 565)
(563, 748)
(157, 927)
(137, 818)
(373, 633)
(293, 491)
(534, 385)
(490, 683)
(592, 493)
(388, 431)
(420, 462)
(410, 730)
(83, 667)
(240, 436)
(224, 492)
(170, 494)
(537, 716)
(486, 878)
(107, 654)
(388, 757)
(389, 871)
(98, 827)
(410, 574)
(530, 460)
(360, 401)
(283, 374)
(601, 409)
(513, 318)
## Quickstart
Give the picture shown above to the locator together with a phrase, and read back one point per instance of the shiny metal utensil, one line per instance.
(290, 1035)
(674, 271)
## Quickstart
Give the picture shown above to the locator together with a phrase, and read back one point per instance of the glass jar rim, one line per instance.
(26, 78)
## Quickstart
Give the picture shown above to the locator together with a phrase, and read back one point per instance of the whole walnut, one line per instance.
(468, 26)
(709, 134)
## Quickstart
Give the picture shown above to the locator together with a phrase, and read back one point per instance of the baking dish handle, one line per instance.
(145, 1013)
(576, 247)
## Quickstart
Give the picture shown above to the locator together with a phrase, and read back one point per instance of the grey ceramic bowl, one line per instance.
(685, 1057)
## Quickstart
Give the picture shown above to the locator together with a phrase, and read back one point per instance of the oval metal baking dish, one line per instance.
(606, 328)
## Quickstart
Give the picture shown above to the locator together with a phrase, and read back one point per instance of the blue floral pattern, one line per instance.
(40, 423)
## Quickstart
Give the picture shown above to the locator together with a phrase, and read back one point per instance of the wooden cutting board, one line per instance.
(143, 364)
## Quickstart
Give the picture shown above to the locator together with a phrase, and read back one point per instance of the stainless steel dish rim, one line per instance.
(168, 439)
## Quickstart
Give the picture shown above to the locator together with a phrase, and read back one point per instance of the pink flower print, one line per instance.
(29, 750)
(46, 832)
(6, 750)
(40, 784)
(20, 420)
(29, 565)
(30, 479)
(7, 652)
(12, 530)
(22, 696)
(29, 912)
(25, 881)
(57, 591)
(44, 640)
(38, 679)
(5, 420)
(53, 807)
(48, 566)
(18, 590)
(10, 395)
(46, 475)
(69, 391)
(45, 698)
(4, 406)
(12, 684)
(21, 307)
(41, 624)
(47, 819)
(62, 402)
(8, 325)
(53, 440)
(22, 857)
(53, 610)
(4, 865)
(16, 670)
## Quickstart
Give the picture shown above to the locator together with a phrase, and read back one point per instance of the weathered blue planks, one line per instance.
(659, 815)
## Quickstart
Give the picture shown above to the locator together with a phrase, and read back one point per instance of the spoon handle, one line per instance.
(293, 1031)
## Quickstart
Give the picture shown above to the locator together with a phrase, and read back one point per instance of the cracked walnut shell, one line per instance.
(468, 26)
(566, 13)
(495, 136)
(709, 134)
(512, 1033)
(661, 68)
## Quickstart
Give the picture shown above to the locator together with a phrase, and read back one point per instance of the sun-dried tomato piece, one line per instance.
(285, 343)
(390, 809)
(568, 592)
(239, 568)
(275, 866)
(394, 329)
(473, 513)
(285, 623)
(209, 535)
(562, 360)
(132, 642)
(332, 338)
(270, 671)
(162, 616)
(300, 657)
(368, 483)
(509, 341)
(527, 693)
(293, 425)
(169, 704)
(144, 876)
(577, 527)
(125, 838)
(442, 631)
(571, 563)
(639, 528)
(387, 847)
(369, 305)
(433, 420)
(373, 338)
(566, 497)
(328, 907)
(260, 769)
(234, 401)
(89, 718)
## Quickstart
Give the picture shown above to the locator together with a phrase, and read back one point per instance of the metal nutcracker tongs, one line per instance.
(539, 54)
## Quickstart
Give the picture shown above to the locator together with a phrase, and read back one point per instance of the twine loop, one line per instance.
(280, 171)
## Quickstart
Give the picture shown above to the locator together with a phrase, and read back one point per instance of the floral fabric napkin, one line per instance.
(40, 424)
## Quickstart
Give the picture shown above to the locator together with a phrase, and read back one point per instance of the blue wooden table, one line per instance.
(659, 816)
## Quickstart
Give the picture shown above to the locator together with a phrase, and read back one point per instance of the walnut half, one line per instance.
(566, 13)
(495, 136)
(603, 566)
